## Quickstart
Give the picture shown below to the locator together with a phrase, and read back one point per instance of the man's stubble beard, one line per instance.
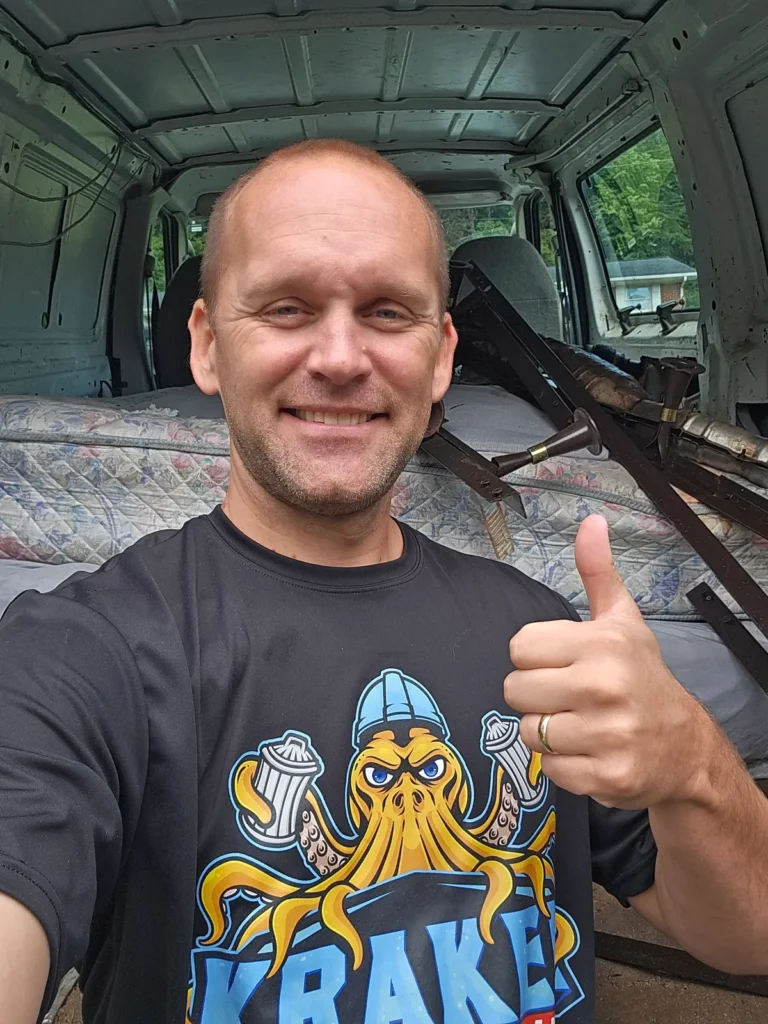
(272, 468)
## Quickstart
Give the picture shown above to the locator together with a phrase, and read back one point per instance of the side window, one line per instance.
(196, 233)
(465, 223)
(641, 221)
(541, 231)
(547, 234)
(155, 271)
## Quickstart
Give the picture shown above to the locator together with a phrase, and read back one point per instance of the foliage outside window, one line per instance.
(548, 234)
(460, 225)
(642, 224)
(157, 249)
(153, 283)
(465, 223)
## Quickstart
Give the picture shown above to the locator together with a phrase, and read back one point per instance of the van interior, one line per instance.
(599, 171)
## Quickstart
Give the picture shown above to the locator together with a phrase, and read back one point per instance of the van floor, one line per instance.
(624, 995)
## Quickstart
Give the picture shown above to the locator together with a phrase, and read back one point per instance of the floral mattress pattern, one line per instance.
(81, 480)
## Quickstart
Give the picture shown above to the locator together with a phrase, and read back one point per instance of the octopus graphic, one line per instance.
(408, 795)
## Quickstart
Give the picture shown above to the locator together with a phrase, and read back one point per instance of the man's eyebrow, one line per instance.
(293, 283)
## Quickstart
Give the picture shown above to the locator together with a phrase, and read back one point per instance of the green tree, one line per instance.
(638, 205)
(157, 249)
(463, 224)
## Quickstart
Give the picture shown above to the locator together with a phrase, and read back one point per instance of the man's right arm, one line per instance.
(73, 759)
(24, 963)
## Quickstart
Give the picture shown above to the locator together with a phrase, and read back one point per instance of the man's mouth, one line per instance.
(334, 419)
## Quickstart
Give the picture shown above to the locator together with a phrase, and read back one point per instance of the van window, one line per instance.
(465, 223)
(460, 224)
(641, 221)
(196, 234)
(547, 233)
(154, 283)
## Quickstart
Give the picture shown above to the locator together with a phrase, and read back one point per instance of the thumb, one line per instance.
(605, 589)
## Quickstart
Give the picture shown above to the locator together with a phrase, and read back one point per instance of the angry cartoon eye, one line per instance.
(375, 775)
(433, 769)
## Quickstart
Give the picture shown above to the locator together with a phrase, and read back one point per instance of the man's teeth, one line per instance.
(342, 419)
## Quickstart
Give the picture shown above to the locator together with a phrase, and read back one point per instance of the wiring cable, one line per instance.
(88, 212)
(104, 163)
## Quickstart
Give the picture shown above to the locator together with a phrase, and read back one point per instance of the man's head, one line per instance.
(322, 324)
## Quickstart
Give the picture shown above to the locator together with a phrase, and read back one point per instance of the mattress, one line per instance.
(80, 480)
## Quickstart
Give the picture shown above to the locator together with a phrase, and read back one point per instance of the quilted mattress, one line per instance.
(80, 480)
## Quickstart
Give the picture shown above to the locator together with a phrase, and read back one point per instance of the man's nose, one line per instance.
(339, 352)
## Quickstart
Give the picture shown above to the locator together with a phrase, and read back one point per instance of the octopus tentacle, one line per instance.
(245, 795)
(533, 868)
(501, 885)
(334, 916)
(542, 838)
(286, 918)
(232, 875)
(330, 832)
(260, 922)
(494, 803)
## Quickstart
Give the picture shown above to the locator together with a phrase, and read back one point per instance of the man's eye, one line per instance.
(390, 315)
(375, 775)
(433, 769)
(286, 311)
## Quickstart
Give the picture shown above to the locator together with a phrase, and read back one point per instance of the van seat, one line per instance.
(172, 343)
(517, 269)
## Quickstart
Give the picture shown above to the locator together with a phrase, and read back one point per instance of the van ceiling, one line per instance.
(195, 90)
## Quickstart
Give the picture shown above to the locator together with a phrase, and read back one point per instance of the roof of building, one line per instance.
(663, 266)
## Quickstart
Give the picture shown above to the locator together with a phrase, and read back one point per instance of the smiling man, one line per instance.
(274, 766)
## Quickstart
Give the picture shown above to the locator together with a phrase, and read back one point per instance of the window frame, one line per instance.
(688, 315)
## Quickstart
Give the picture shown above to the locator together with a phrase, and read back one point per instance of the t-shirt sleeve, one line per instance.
(73, 741)
(623, 851)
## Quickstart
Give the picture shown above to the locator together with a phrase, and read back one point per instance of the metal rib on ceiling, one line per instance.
(260, 75)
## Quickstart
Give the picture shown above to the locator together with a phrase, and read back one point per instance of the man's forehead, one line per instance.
(329, 187)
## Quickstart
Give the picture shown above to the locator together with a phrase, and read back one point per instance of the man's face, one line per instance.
(329, 344)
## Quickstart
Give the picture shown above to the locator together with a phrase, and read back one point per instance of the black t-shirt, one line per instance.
(280, 792)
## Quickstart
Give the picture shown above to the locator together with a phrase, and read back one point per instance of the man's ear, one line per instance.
(443, 373)
(202, 356)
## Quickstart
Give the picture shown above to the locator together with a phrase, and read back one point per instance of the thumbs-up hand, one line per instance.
(621, 728)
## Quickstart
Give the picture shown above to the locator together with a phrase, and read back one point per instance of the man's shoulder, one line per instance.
(487, 578)
(131, 583)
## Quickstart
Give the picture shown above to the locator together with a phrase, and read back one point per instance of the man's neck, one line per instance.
(367, 538)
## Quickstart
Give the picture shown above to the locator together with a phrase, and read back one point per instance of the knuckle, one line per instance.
(620, 779)
(616, 640)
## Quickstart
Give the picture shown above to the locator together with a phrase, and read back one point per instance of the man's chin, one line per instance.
(333, 500)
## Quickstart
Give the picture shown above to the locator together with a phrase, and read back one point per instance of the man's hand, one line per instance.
(624, 730)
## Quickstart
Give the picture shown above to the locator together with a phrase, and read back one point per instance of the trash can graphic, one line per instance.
(287, 768)
(501, 740)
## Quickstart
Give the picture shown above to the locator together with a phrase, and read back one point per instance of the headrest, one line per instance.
(517, 269)
(172, 342)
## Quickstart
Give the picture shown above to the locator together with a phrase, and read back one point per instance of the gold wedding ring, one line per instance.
(543, 726)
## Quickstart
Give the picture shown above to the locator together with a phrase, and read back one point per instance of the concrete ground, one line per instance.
(624, 995)
(629, 996)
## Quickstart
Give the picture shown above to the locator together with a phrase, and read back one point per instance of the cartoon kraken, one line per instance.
(408, 794)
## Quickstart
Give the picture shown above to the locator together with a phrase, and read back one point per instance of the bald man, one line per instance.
(274, 766)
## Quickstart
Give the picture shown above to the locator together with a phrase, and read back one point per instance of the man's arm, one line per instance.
(73, 752)
(711, 888)
(24, 963)
(621, 729)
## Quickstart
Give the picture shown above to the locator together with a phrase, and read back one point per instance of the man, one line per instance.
(261, 768)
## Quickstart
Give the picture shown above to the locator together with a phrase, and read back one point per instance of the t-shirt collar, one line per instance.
(324, 577)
